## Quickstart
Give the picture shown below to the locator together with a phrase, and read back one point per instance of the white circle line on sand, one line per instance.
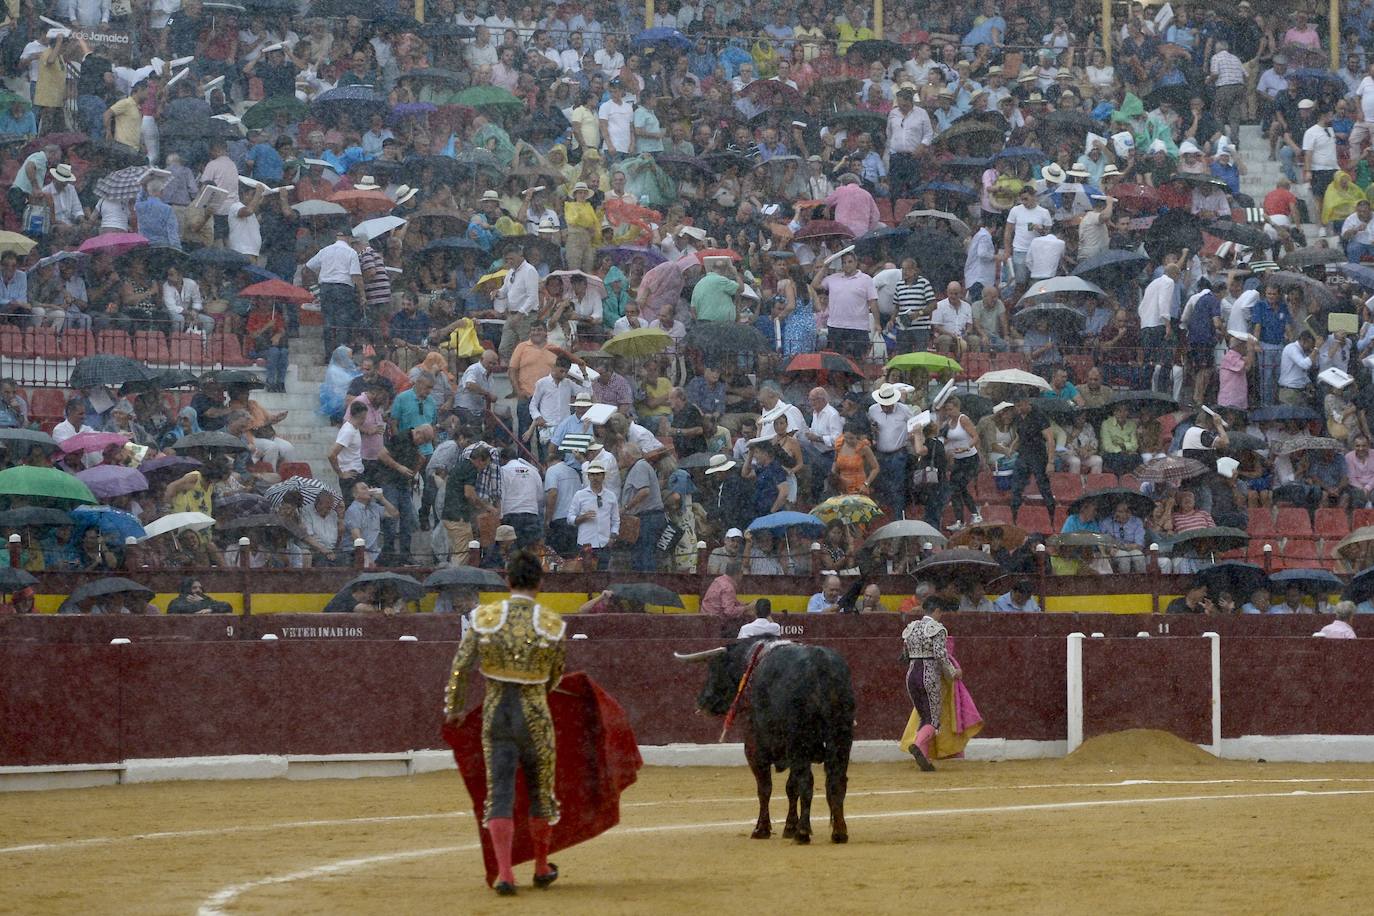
(215, 904)
(402, 818)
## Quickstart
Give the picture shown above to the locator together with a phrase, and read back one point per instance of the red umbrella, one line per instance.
(824, 361)
(278, 290)
(363, 201)
(1137, 198)
(730, 253)
(115, 243)
(92, 442)
(822, 229)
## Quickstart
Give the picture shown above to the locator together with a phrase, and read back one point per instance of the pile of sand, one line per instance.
(1136, 747)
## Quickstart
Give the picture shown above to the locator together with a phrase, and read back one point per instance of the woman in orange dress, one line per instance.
(855, 465)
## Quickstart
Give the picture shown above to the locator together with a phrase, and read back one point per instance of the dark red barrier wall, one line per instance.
(1149, 683)
(1297, 687)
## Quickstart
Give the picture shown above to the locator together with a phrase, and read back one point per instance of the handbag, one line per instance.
(629, 529)
(668, 540)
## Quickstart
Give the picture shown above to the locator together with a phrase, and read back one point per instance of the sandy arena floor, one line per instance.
(1126, 829)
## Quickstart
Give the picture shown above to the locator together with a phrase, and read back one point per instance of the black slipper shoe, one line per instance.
(543, 881)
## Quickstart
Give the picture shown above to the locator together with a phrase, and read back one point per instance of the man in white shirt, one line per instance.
(616, 118)
(980, 262)
(482, 52)
(522, 489)
(889, 418)
(340, 275)
(1363, 131)
(762, 624)
(474, 392)
(908, 132)
(499, 20)
(1045, 254)
(595, 511)
(551, 401)
(1156, 306)
(570, 58)
(75, 422)
(953, 314)
(518, 299)
(1357, 233)
(818, 438)
(770, 399)
(1294, 366)
(609, 58)
(346, 457)
(66, 203)
(599, 457)
(1318, 154)
(1019, 234)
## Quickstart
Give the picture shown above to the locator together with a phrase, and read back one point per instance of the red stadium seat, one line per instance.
(997, 515)
(1292, 521)
(44, 343)
(151, 347)
(975, 364)
(1298, 553)
(15, 343)
(114, 342)
(1061, 515)
(1078, 368)
(1066, 487)
(1035, 519)
(1093, 482)
(1129, 482)
(1331, 524)
(48, 403)
(225, 348)
(985, 490)
(1261, 525)
(1011, 361)
(1361, 518)
(77, 344)
(261, 467)
(885, 211)
(187, 349)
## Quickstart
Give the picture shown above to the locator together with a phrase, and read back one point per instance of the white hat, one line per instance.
(733, 532)
(548, 224)
(1091, 141)
(749, 292)
(720, 464)
(1111, 170)
(693, 232)
(1158, 146)
(887, 394)
(1002, 406)
(919, 421)
(581, 186)
(250, 182)
(1187, 148)
(367, 184)
(1306, 104)
(62, 172)
(1240, 335)
(404, 193)
(1336, 378)
(1226, 467)
(583, 399)
(594, 468)
(1052, 174)
(490, 195)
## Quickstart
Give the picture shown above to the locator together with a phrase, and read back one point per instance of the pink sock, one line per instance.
(502, 830)
(540, 835)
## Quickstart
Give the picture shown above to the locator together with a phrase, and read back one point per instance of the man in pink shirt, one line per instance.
(854, 207)
(1359, 470)
(376, 398)
(721, 598)
(853, 307)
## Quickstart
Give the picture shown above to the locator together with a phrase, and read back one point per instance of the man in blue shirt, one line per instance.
(267, 162)
(414, 407)
(768, 477)
(1085, 519)
(157, 222)
(1270, 320)
(14, 289)
(1017, 601)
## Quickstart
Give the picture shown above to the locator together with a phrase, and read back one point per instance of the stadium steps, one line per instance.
(1262, 176)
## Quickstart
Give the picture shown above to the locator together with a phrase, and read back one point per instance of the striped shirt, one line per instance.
(378, 288)
(1191, 521)
(1227, 68)
(912, 302)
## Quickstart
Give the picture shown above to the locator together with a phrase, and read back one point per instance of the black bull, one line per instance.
(796, 710)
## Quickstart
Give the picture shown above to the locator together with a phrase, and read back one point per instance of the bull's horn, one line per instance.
(698, 656)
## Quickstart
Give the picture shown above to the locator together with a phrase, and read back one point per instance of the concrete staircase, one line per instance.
(1262, 176)
(310, 433)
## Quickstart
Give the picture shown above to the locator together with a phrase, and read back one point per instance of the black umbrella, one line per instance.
(1212, 540)
(34, 517)
(471, 576)
(1178, 95)
(1312, 256)
(211, 440)
(106, 369)
(1196, 180)
(1137, 401)
(1109, 498)
(168, 469)
(719, 162)
(1057, 409)
(107, 585)
(258, 522)
(1318, 292)
(1070, 121)
(115, 156)
(871, 49)
(240, 505)
(22, 440)
(975, 406)
(696, 461)
(1311, 581)
(1278, 412)
(1240, 233)
(157, 258)
(878, 242)
(1244, 442)
(1061, 317)
(552, 251)
(973, 134)
(722, 338)
(857, 120)
(226, 258)
(647, 593)
(1112, 266)
(175, 378)
(941, 256)
(1240, 579)
(688, 167)
(957, 563)
(1173, 231)
(406, 587)
(13, 579)
(360, 102)
(1361, 587)
(239, 378)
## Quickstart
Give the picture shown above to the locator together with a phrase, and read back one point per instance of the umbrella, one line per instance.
(19, 441)
(265, 112)
(1278, 412)
(225, 258)
(115, 243)
(13, 580)
(407, 587)
(546, 250)
(975, 406)
(689, 167)
(1061, 317)
(1357, 273)
(451, 576)
(1112, 266)
(106, 369)
(850, 509)
(110, 480)
(1170, 470)
(663, 38)
(723, 338)
(1244, 442)
(256, 522)
(930, 362)
(1176, 95)
(1361, 587)
(857, 120)
(1023, 152)
(647, 593)
(355, 201)
(777, 521)
(973, 132)
(1297, 444)
(1056, 407)
(622, 255)
(308, 487)
(997, 535)
(940, 254)
(877, 242)
(277, 290)
(407, 110)
(1239, 233)
(492, 99)
(1059, 286)
(107, 585)
(822, 229)
(157, 258)
(34, 517)
(319, 208)
(1173, 230)
(44, 483)
(638, 342)
(871, 49)
(1073, 122)
(91, 442)
(1013, 377)
(1240, 579)
(123, 184)
(210, 440)
(1320, 294)
(238, 378)
(171, 468)
(946, 189)
(957, 563)
(774, 94)
(1108, 498)
(1091, 539)
(240, 505)
(19, 244)
(362, 102)
(719, 162)
(489, 283)
(824, 361)
(1312, 256)
(379, 226)
(112, 522)
(1211, 540)
(1142, 400)
(179, 521)
(1200, 181)
(452, 243)
(907, 528)
(1311, 581)
(955, 222)
(174, 378)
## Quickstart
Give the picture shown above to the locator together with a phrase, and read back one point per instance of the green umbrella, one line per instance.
(44, 483)
(931, 362)
(493, 98)
(265, 112)
(8, 98)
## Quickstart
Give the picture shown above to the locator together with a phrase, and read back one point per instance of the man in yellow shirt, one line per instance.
(124, 119)
(584, 227)
(851, 29)
(586, 125)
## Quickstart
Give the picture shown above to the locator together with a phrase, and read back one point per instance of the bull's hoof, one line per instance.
(802, 839)
(761, 833)
(789, 832)
(839, 838)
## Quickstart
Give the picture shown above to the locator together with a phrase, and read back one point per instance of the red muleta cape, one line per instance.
(598, 759)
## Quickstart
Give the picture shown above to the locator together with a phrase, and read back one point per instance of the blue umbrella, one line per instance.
(947, 187)
(259, 274)
(111, 522)
(670, 38)
(1314, 581)
(783, 520)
